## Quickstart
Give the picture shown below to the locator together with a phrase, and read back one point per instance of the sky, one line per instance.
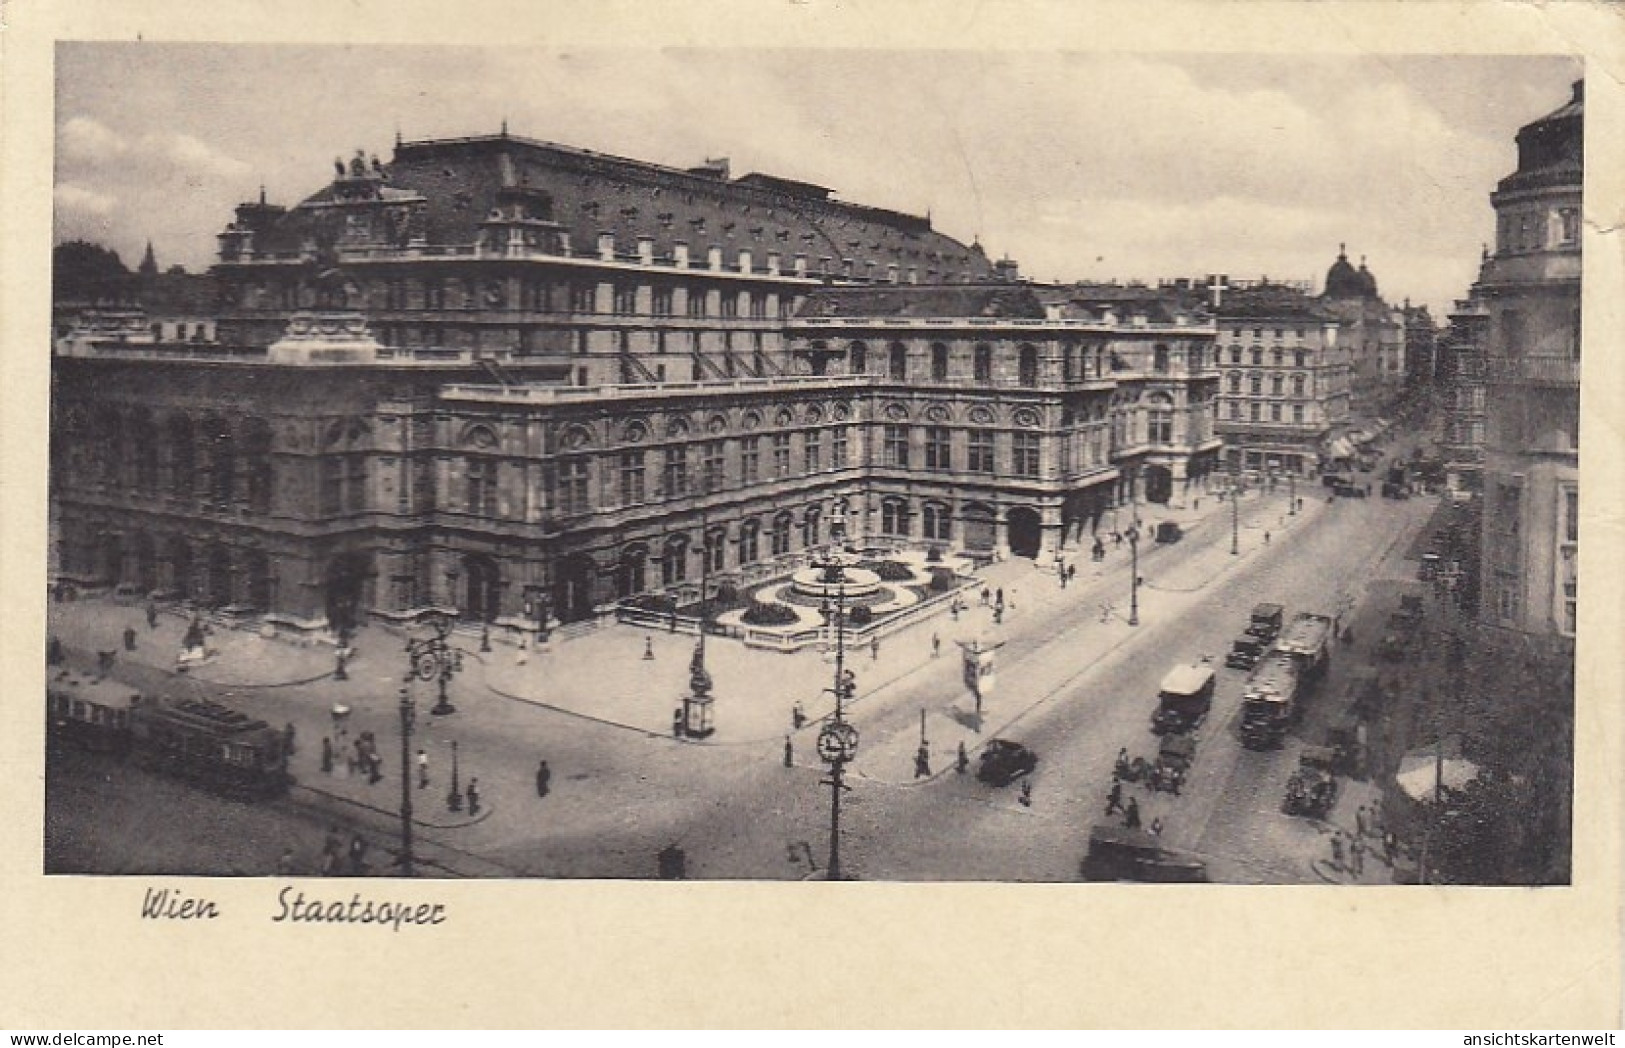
(1081, 166)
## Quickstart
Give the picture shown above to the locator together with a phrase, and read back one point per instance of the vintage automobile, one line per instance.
(1184, 699)
(1003, 762)
(1168, 531)
(1120, 854)
(1312, 790)
(1265, 621)
(1245, 651)
(1175, 755)
(1349, 491)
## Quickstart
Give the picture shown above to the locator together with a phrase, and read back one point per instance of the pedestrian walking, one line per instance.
(1131, 814)
(1266, 538)
(1156, 827)
(358, 855)
(152, 615)
(677, 723)
(874, 648)
(423, 770)
(1114, 799)
(798, 715)
(998, 615)
(544, 776)
(648, 648)
(962, 760)
(936, 645)
(1337, 851)
(953, 609)
(287, 738)
(129, 638)
(1390, 846)
(473, 795)
(998, 597)
(984, 596)
(789, 753)
(1362, 821)
(1026, 798)
(1196, 504)
(922, 761)
(1071, 572)
(1357, 856)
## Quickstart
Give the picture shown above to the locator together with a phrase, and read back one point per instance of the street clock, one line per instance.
(837, 742)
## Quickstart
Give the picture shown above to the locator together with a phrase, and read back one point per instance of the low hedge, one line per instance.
(762, 613)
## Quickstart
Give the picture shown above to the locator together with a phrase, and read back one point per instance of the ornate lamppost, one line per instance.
(433, 659)
(697, 704)
(408, 719)
(1134, 584)
(837, 740)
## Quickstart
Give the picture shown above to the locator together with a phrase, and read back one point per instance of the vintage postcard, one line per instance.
(480, 491)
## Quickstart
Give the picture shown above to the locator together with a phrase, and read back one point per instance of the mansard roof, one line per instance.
(1271, 301)
(450, 186)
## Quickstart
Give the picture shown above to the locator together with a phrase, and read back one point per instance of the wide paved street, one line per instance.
(1075, 683)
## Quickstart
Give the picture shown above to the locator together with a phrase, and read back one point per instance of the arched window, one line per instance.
(781, 533)
(674, 560)
(899, 361)
(716, 549)
(939, 362)
(750, 532)
(857, 355)
(1028, 366)
(894, 517)
(984, 363)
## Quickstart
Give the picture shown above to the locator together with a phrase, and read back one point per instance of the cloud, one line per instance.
(78, 201)
(83, 140)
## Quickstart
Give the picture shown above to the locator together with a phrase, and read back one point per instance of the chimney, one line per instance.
(772, 263)
(646, 250)
(801, 265)
(744, 261)
(606, 247)
(679, 254)
(713, 257)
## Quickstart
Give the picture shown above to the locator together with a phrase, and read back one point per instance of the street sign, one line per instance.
(978, 668)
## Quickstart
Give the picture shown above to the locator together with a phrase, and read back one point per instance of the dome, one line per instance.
(1367, 281)
(1342, 281)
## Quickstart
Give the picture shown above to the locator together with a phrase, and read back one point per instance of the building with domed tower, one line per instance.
(1529, 293)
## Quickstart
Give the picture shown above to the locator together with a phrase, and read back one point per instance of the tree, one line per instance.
(86, 272)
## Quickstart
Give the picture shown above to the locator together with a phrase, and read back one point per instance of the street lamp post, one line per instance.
(433, 659)
(837, 740)
(408, 718)
(454, 795)
(1235, 510)
(1292, 492)
(1134, 585)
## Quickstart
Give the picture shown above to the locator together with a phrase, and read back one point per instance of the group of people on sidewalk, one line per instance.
(1349, 850)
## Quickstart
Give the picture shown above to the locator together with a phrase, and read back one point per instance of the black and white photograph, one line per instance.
(499, 463)
(810, 514)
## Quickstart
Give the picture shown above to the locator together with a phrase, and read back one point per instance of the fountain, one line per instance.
(823, 581)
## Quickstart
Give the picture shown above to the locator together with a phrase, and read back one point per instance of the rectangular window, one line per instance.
(749, 544)
(626, 299)
(839, 451)
(1253, 412)
(332, 485)
(938, 448)
(896, 446)
(758, 307)
(781, 454)
(1025, 459)
(750, 459)
(631, 478)
(1571, 515)
(696, 304)
(662, 302)
(711, 465)
(573, 487)
(675, 472)
(1275, 412)
(730, 305)
(981, 451)
(1297, 413)
(582, 298)
(813, 451)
